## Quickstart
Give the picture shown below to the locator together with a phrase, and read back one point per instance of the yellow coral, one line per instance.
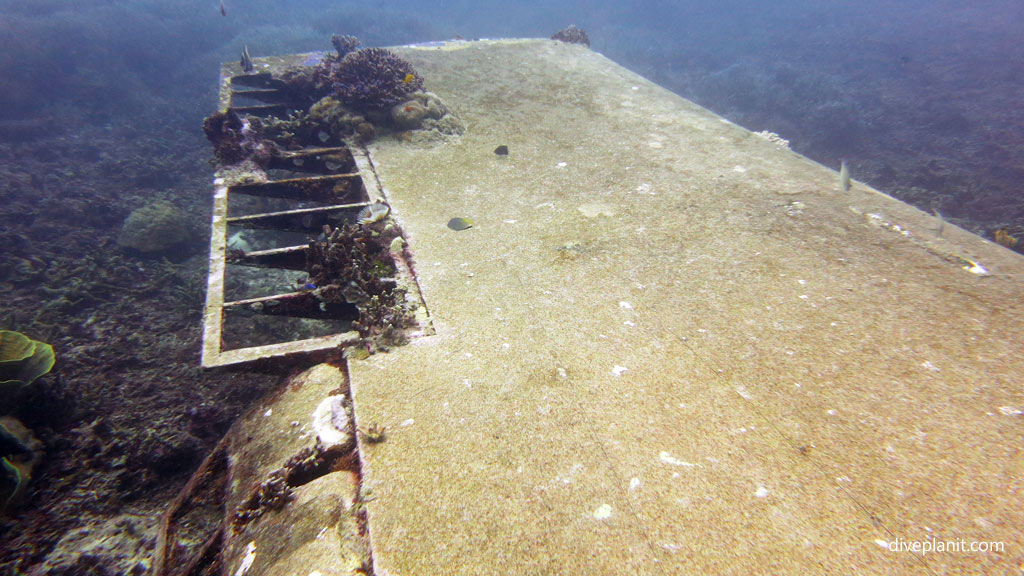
(1003, 238)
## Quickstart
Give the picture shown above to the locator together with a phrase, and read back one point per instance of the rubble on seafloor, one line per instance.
(122, 544)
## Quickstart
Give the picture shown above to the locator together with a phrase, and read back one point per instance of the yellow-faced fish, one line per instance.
(409, 78)
(844, 177)
(460, 224)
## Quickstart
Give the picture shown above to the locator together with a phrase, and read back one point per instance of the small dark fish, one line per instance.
(309, 286)
(501, 150)
(460, 224)
(223, 10)
(247, 65)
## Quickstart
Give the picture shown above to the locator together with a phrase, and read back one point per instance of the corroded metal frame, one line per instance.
(213, 316)
(359, 177)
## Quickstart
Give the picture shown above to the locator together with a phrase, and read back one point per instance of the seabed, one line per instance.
(667, 345)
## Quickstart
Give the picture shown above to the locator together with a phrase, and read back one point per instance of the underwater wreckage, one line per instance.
(665, 344)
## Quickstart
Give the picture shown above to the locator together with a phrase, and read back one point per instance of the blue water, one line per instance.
(921, 96)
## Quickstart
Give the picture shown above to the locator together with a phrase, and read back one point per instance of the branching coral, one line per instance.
(350, 256)
(354, 264)
(373, 79)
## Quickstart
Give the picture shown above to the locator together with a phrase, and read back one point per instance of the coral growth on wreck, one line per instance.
(277, 490)
(353, 264)
(373, 79)
(224, 131)
(349, 96)
(367, 80)
(236, 138)
(335, 122)
(344, 44)
(572, 35)
(272, 494)
(426, 113)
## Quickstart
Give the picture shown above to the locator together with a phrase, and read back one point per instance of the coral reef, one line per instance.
(155, 228)
(425, 111)
(337, 123)
(572, 35)
(120, 545)
(121, 326)
(353, 264)
(373, 79)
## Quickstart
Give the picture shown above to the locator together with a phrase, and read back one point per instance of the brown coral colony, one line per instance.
(339, 98)
(373, 79)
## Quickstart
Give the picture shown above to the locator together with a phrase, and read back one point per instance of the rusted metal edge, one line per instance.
(330, 188)
(164, 561)
(336, 160)
(283, 218)
(289, 258)
(283, 350)
(257, 80)
(213, 315)
(266, 95)
(264, 299)
(262, 109)
(303, 304)
(326, 151)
